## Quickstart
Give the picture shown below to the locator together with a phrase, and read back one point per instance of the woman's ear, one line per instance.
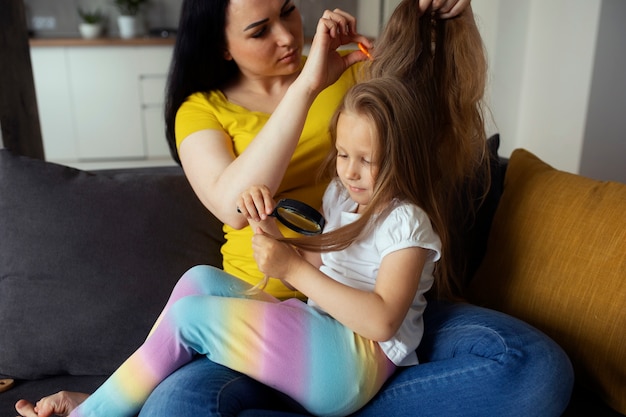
(227, 55)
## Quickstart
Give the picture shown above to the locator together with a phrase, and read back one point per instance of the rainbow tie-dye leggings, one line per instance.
(287, 345)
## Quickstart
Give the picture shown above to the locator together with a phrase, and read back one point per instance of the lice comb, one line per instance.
(365, 51)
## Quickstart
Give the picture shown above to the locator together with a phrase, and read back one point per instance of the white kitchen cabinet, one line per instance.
(54, 103)
(152, 107)
(101, 103)
(107, 113)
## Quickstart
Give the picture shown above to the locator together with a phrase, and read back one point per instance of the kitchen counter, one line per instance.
(105, 41)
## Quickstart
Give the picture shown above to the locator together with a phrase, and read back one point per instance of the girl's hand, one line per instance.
(444, 9)
(275, 259)
(256, 203)
(325, 65)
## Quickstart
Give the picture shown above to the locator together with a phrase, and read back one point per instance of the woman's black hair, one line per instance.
(198, 63)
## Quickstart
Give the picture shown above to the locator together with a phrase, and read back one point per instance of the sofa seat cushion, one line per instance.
(87, 262)
(556, 258)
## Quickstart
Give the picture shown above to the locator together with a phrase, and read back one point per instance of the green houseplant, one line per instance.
(129, 7)
(90, 16)
(127, 20)
(91, 23)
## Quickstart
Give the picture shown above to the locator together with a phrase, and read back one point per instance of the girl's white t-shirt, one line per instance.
(405, 225)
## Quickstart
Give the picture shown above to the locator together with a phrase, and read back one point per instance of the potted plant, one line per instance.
(127, 21)
(91, 23)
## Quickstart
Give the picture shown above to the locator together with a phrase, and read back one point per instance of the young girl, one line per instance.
(366, 299)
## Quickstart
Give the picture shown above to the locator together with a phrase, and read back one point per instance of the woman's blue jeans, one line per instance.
(474, 362)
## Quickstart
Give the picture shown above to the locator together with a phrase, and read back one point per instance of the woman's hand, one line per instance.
(61, 404)
(275, 259)
(444, 9)
(325, 65)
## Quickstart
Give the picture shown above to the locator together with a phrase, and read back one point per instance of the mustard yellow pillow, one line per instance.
(556, 258)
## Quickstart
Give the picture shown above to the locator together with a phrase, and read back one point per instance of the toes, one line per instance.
(25, 408)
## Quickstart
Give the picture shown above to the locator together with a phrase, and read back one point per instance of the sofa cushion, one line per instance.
(87, 261)
(556, 258)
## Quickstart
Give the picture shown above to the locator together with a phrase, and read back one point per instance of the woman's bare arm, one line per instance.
(218, 177)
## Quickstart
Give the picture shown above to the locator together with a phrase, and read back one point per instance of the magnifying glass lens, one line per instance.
(299, 217)
(298, 221)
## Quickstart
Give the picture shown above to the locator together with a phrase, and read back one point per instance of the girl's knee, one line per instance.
(201, 272)
(205, 279)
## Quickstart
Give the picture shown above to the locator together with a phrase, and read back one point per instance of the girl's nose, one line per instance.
(351, 171)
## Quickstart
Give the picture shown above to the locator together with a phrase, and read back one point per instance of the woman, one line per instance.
(258, 46)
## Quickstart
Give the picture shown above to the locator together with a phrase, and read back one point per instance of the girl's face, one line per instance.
(357, 165)
(264, 37)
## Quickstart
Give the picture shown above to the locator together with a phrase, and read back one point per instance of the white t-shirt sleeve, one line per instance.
(407, 226)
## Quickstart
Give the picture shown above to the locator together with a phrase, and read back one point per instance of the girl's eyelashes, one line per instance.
(364, 161)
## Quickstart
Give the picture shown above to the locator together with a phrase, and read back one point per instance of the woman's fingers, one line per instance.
(452, 8)
(444, 9)
(339, 22)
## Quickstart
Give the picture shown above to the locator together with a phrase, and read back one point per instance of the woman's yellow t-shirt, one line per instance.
(212, 110)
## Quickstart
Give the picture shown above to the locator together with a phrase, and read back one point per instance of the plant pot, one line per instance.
(127, 26)
(90, 30)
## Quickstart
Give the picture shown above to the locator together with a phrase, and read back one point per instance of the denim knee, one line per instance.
(478, 362)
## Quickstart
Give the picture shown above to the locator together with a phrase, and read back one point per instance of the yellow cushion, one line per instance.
(556, 258)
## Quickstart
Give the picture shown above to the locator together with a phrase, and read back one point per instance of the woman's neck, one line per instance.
(258, 94)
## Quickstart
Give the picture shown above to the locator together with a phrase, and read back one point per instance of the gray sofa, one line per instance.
(87, 260)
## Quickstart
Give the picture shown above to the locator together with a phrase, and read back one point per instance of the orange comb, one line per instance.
(365, 51)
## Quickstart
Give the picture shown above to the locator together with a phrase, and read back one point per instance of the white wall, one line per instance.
(541, 55)
(604, 149)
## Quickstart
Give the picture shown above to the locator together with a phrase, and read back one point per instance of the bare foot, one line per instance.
(60, 404)
(26, 409)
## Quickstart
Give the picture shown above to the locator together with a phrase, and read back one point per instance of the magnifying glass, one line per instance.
(299, 217)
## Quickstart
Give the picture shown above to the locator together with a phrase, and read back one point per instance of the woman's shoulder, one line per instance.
(201, 111)
(205, 98)
(212, 104)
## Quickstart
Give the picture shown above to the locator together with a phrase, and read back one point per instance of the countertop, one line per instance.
(105, 41)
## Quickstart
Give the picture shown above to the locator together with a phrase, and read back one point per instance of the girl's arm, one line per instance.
(218, 177)
(376, 314)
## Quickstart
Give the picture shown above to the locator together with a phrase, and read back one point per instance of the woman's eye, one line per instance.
(366, 161)
(288, 11)
(259, 33)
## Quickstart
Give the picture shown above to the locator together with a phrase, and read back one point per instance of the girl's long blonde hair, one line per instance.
(423, 93)
(444, 60)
